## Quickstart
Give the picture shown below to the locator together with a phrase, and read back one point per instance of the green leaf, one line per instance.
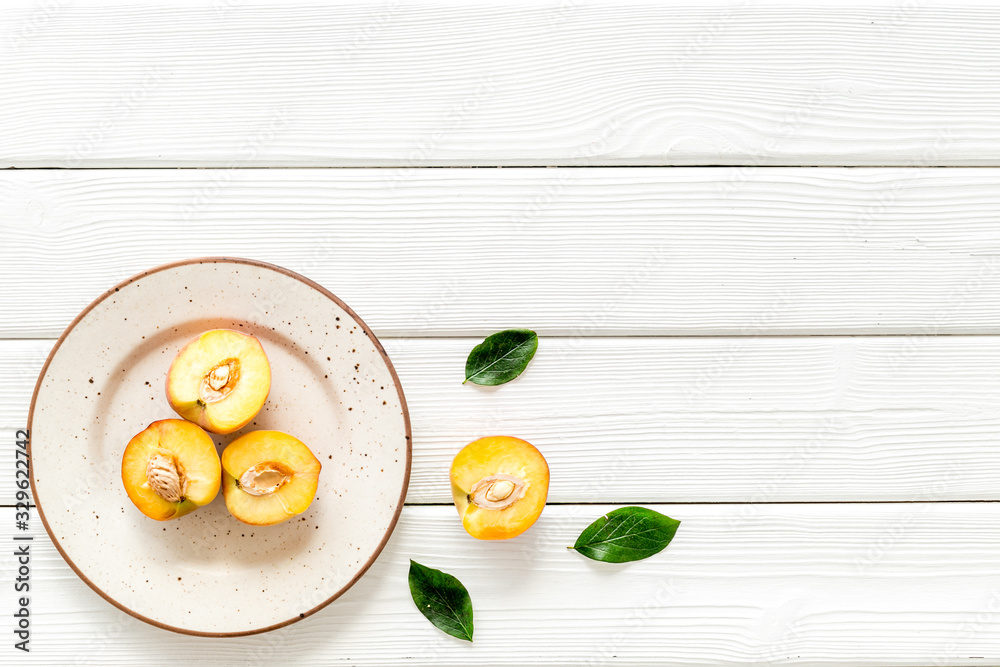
(626, 534)
(442, 599)
(501, 357)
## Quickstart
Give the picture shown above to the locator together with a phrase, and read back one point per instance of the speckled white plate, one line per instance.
(206, 573)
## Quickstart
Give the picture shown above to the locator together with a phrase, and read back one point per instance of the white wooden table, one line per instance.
(801, 364)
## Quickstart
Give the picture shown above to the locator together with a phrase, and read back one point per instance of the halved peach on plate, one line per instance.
(171, 469)
(268, 477)
(219, 380)
(499, 485)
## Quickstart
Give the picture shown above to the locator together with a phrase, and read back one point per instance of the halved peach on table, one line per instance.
(499, 485)
(170, 469)
(268, 477)
(219, 380)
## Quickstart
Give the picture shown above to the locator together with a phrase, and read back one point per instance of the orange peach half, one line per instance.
(219, 380)
(268, 477)
(499, 485)
(170, 469)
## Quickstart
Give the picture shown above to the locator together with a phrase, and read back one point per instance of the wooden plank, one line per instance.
(570, 252)
(696, 420)
(101, 83)
(864, 585)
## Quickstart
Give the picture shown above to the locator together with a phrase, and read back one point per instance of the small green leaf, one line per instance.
(442, 599)
(626, 534)
(501, 357)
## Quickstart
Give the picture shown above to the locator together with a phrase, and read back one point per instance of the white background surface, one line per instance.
(801, 364)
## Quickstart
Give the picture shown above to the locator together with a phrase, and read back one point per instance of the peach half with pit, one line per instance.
(219, 380)
(499, 485)
(268, 477)
(171, 469)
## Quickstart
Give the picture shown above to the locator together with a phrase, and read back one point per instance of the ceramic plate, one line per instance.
(206, 573)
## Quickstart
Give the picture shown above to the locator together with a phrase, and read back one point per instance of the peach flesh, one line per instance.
(268, 477)
(499, 485)
(170, 469)
(219, 380)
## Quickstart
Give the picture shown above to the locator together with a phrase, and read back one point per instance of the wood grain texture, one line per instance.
(695, 420)
(572, 252)
(814, 585)
(407, 84)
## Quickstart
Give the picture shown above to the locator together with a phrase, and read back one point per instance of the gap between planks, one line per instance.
(625, 503)
(570, 165)
(603, 337)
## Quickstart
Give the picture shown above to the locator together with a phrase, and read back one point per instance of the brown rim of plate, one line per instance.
(319, 288)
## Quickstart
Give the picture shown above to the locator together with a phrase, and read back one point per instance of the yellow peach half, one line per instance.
(170, 469)
(268, 477)
(219, 380)
(499, 485)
